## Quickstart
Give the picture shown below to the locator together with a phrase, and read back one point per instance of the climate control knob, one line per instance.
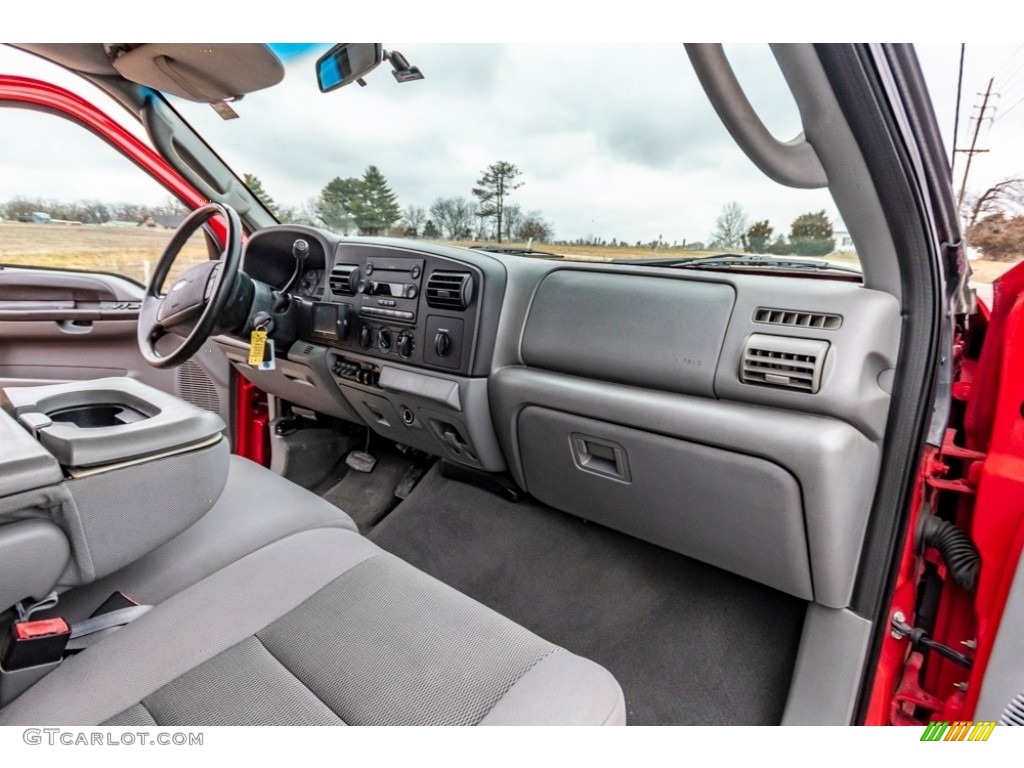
(442, 343)
(365, 337)
(384, 340)
(405, 344)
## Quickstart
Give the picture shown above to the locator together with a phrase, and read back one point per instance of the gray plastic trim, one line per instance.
(829, 664)
(741, 513)
(33, 555)
(850, 183)
(183, 148)
(866, 345)
(1004, 675)
(24, 463)
(170, 423)
(793, 163)
(444, 391)
(836, 466)
(13, 684)
(663, 334)
(302, 378)
(381, 408)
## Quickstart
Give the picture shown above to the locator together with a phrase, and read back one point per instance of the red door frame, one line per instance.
(38, 94)
(993, 387)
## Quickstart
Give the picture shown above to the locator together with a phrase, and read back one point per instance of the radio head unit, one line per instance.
(390, 288)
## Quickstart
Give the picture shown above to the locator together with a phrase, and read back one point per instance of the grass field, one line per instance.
(129, 251)
(132, 251)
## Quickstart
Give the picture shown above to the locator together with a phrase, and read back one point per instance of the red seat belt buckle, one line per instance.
(31, 643)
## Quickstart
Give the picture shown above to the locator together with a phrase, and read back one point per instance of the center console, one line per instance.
(127, 468)
(397, 335)
(409, 344)
(399, 305)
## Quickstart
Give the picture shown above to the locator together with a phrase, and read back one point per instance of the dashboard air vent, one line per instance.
(779, 361)
(449, 290)
(797, 319)
(344, 279)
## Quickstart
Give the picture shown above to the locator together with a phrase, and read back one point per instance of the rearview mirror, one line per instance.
(347, 63)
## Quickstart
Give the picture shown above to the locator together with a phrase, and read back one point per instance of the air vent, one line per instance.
(344, 279)
(449, 290)
(779, 361)
(797, 319)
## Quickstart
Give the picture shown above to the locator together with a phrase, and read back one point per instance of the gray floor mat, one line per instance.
(368, 497)
(689, 643)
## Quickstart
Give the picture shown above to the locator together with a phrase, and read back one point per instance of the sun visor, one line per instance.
(207, 72)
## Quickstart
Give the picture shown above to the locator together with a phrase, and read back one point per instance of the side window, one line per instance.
(68, 200)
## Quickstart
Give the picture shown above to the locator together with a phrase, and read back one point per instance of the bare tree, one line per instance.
(513, 219)
(730, 226)
(534, 227)
(454, 216)
(1005, 197)
(303, 214)
(413, 217)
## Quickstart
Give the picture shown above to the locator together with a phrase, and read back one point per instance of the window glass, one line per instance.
(616, 152)
(68, 200)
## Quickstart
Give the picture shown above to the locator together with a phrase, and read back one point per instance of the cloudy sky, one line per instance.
(612, 141)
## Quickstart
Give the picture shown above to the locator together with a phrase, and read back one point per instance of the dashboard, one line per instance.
(609, 391)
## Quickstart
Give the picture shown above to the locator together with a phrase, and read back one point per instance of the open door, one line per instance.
(74, 256)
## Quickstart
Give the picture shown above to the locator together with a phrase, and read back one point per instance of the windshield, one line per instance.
(599, 152)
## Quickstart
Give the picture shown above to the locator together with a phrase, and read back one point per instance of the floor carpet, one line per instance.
(689, 643)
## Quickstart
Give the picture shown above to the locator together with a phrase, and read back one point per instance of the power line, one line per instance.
(1008, 63)
(1013, 88)
(1009, 109)
(1006, 69)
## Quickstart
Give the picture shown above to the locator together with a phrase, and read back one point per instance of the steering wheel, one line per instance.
(191, 306)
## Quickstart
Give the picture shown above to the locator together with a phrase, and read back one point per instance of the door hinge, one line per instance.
(938, 471)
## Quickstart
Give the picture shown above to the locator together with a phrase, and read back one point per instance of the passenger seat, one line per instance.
(273, 610)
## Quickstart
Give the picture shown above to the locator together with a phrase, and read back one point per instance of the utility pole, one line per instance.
(974, 142)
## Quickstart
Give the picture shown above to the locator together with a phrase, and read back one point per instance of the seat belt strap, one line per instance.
(90, 631)
(25, 611)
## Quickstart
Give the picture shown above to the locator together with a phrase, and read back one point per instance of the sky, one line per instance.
(613, 141)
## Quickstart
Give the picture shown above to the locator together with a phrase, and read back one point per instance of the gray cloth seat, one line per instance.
(272, 609)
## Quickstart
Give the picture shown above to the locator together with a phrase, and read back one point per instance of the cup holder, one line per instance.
(97, 415)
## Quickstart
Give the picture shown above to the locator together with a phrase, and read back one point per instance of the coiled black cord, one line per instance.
(958, 551)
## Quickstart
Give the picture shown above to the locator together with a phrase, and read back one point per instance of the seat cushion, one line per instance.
(321, 627)
(256, 508)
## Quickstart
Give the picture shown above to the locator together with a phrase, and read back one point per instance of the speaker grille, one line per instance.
(195, 386)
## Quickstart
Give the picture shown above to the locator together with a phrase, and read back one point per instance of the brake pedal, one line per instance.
(361, 461)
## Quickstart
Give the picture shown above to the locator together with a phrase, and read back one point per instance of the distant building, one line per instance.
(162, 221)
(36, 217)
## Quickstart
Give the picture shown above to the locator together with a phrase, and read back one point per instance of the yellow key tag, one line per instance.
(257, 345)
